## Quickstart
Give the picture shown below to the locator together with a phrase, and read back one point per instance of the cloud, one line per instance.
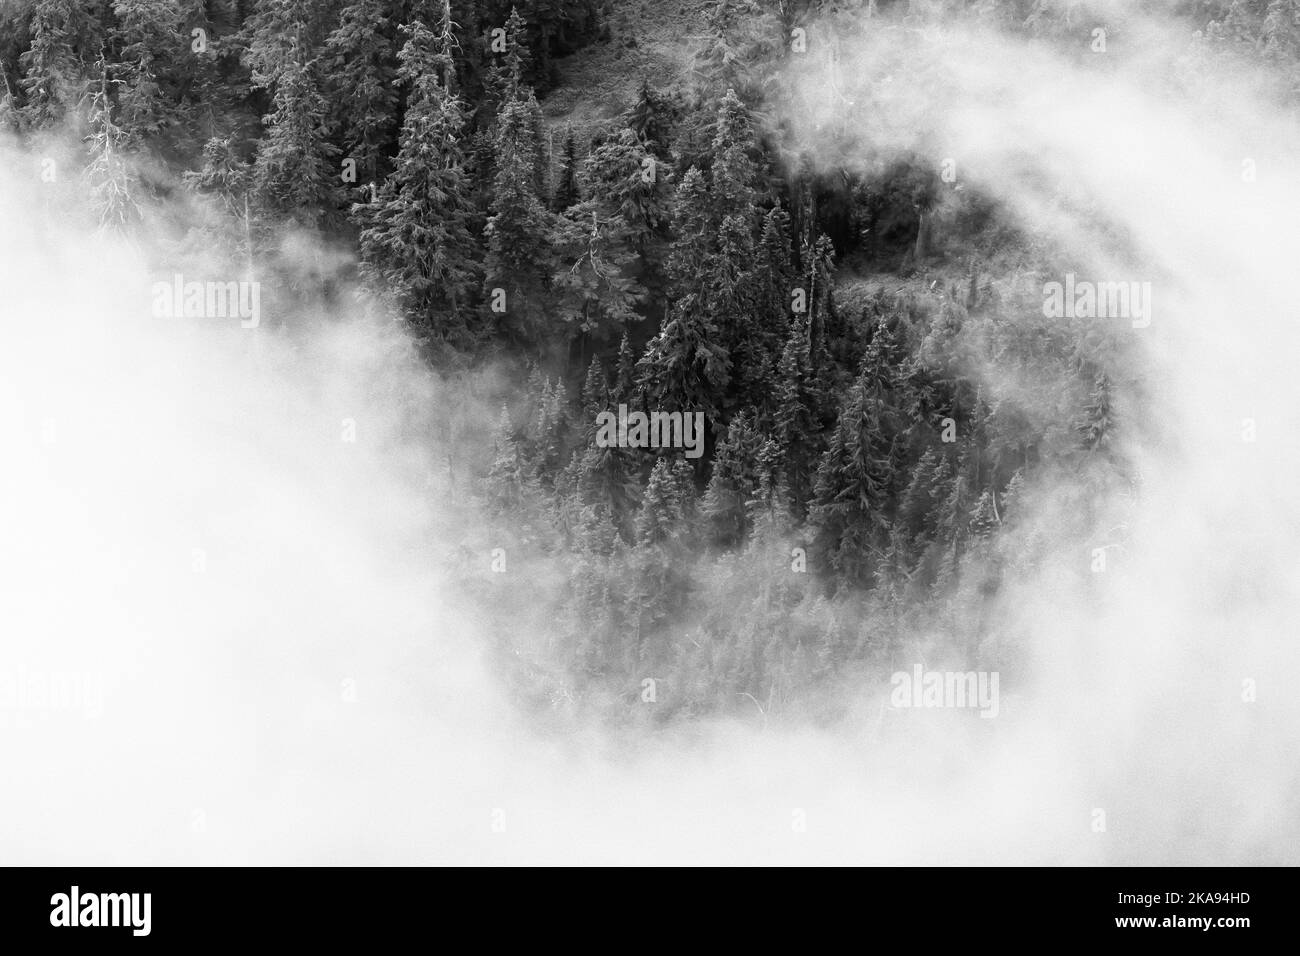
(290, 676)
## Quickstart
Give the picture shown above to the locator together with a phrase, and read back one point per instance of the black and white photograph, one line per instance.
(650, 433)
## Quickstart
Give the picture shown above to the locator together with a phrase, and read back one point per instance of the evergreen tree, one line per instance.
(283, 36)
(226, 178)
(595, 397)
(150, 45)
(606, 481)
(10, 110)
(363, 82)
(735, 483)
(295, 173)
(660, 518)
(509, 481)
(855, 478)
(547, 434)
(214, 96)
(685, 366)
(721, 62)
(984, 517)
(296, 176)
(54, 80)
(1096, 428)
(416, 238)
(593, 292)
(566, 192)
(519, 230)
(797, 428)
(624, 390)
(623, 180)
(652, 118)
(508, 74)
(108, 174)
(661, 557)
(704, 357)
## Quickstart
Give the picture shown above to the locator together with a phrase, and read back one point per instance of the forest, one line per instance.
(577, 205)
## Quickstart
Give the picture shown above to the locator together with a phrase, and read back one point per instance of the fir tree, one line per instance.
(112, 183)
(54, 80)
(734, 484)
(595, 396)
(856, 475)
(363, 82)
(1096, 428)
(519, 230)
(508, 75)
(226, 178)
(150, 40)
(566, 192)
(624, 180)
(624, 389)
(686, 367)
(660, 518)
(652, 118)
(797, 428)
(509, 482)
(295, 173)
(593, 292)
(416, 238)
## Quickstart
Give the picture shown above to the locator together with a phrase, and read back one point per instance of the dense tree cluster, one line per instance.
(859, 479)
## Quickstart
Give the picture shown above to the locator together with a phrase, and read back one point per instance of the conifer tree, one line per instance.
(54, 79)
(606, 481)
(595, 396)
(296, 176)
(1097, 424)
(735, 482)
(661, 555)
(150, 45)
(624, 180)
(112, 183)
(593, 292)
(417, 237)
(566, 191)
(720, 62)
(10, 111)
(984, 518)
(519, 259)
(508, 74)
(295, 173)
(660, 518)
(855, 478)
(226, 178)
(651, 118)
(686, 366)
(509, 481)
(363, 72)
(796, 424)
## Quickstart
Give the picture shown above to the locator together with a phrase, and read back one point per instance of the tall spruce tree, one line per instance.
(363, 75)
(54, 76)
(296, 176)
(520, 263)
(417, 239)
(148, 32)
(113, 184)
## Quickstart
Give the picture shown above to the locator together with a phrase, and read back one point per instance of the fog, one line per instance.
(260, 655)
